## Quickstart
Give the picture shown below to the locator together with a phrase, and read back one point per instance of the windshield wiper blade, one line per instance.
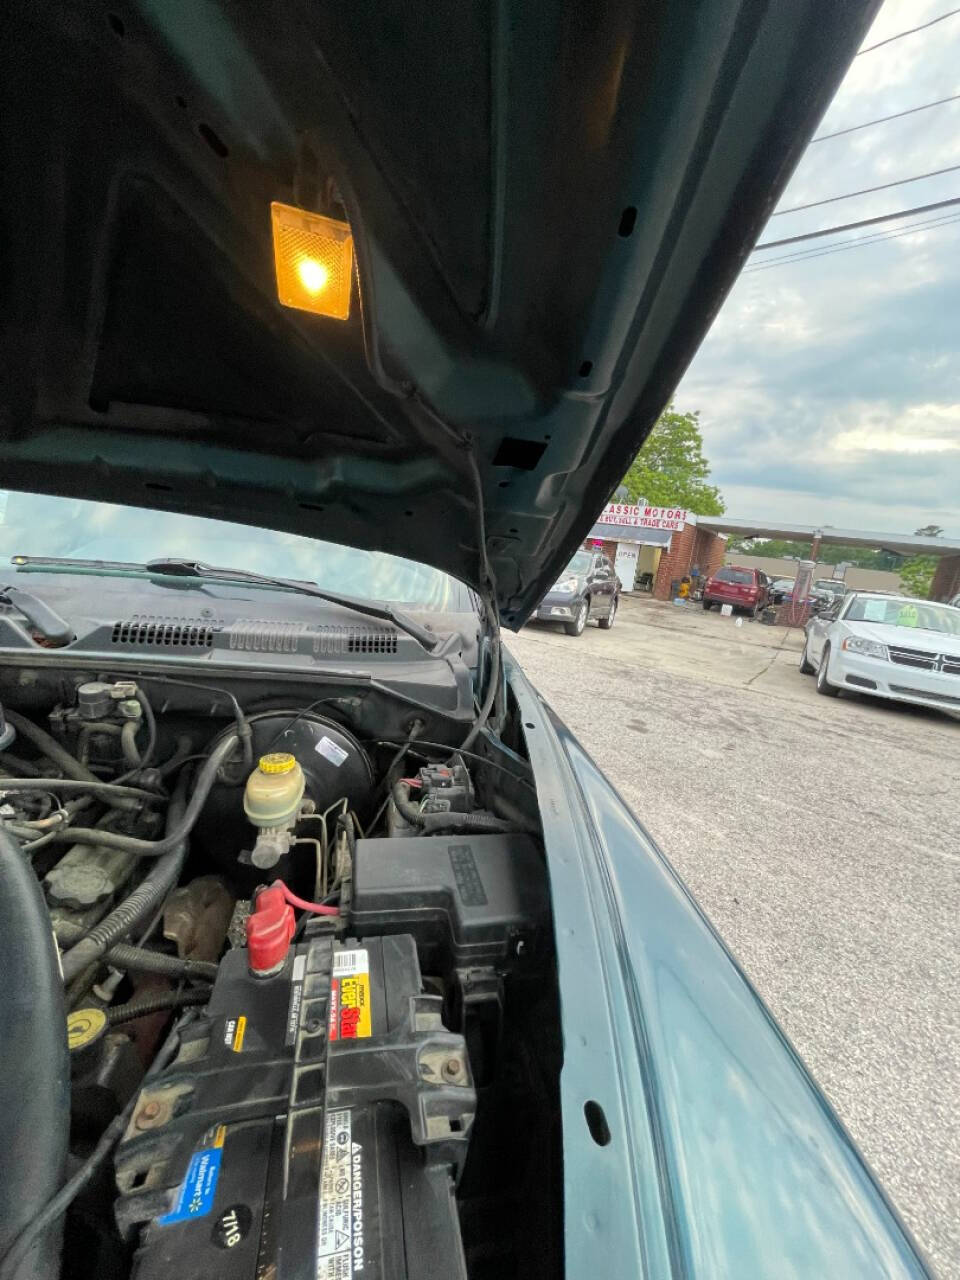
(384, 612)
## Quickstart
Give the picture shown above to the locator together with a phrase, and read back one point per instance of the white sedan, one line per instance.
(887, 646)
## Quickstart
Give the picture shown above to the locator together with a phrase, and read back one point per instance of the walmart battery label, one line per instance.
(340, 1244)
(197, 1191)
(350, 1017)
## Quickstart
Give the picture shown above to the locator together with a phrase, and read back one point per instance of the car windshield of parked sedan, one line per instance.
(895, 612)
(579, 564)
(43, 525)
(735, 575)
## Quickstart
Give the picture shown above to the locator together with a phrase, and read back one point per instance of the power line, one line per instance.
(852, 226)
(910, 226)
(845, 248)
(856, 243)
(899, 36)
(865, 191)
(897, 115)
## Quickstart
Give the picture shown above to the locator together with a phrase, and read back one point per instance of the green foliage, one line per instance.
(779, 548)
(916, 576)
(671, 471)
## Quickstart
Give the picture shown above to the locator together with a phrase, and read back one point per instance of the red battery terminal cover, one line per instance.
(269, 927)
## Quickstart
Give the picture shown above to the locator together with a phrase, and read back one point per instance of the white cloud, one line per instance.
(829, 385)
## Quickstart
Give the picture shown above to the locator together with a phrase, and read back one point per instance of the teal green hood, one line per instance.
(548, 201)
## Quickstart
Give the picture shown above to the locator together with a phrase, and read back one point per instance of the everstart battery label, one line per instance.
(340, 1231)
(350, 1016)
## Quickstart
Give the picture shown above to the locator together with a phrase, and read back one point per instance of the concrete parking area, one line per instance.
(822, 837)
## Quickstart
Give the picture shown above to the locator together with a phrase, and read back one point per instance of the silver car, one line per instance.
(887, 646)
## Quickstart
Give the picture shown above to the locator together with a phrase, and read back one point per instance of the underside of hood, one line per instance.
(548, 202)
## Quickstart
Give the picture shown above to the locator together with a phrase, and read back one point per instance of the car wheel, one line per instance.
(806, 666)
(607, 622)
(575, 628)
(707, 605)
(823, 686)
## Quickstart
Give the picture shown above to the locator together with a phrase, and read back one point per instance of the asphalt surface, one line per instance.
(822, 837)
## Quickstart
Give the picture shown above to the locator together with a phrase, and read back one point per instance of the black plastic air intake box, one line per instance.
(469, 900)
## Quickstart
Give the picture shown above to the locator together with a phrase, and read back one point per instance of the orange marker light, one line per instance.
(314, 261)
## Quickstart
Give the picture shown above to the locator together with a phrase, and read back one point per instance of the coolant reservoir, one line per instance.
(274, 791)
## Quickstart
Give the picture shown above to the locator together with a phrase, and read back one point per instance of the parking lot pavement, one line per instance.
(822, 837)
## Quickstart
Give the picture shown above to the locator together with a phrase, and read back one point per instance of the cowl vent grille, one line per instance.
(256, 636)
(333, 642)
(164, 633)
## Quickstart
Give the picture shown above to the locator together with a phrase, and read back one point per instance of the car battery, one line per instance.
(311, 1127)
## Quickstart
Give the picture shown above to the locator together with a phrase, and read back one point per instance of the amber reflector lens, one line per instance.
(314, 260)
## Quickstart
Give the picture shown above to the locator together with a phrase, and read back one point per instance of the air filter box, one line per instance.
(467, 900)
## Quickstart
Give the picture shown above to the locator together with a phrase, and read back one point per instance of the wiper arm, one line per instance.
(386, 613)
(44, 620)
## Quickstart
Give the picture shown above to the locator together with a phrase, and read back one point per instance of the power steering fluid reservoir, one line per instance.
(271, 800)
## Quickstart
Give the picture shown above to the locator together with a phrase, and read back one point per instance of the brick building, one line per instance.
(653, 548)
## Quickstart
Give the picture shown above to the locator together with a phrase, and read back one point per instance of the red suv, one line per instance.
(743, 588)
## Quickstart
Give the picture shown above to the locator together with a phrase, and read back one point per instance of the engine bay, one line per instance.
(308, 981)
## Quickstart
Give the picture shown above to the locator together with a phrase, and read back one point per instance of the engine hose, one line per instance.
(144, 900)
(155, 1004)
(104, 790)
(34, 1071)
(478, 822)
(128, 744)
(139, 959)
(19, 765)
(183, 749)
(513, 813)
(151, 720)
(157, 848)
(50, 747)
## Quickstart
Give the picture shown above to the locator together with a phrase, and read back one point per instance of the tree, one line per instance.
(928, 531)
(671, 471)
(916, 576)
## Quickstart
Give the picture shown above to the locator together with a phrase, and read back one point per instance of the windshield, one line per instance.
(579, 564)
(920, 614)
(41, 525)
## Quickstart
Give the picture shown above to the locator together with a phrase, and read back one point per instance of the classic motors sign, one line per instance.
(622, 513)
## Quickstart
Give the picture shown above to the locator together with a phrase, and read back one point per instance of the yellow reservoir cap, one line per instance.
(278, 762)
(313, 256)
(84, 1026)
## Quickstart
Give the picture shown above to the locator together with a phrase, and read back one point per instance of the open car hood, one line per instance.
(548, 201)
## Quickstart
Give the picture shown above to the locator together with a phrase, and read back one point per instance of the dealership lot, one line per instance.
(822, 837)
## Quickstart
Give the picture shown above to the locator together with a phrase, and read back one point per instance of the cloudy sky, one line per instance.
(829, 386)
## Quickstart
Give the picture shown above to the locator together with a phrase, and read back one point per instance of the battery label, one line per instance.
(350, 1016)
(234, 1033)
(296, 997)
(197, 1191)
(340, 1230)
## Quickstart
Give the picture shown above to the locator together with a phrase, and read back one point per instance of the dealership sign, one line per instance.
(623, 513)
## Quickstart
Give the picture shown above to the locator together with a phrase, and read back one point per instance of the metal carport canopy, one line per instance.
(905, 544)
